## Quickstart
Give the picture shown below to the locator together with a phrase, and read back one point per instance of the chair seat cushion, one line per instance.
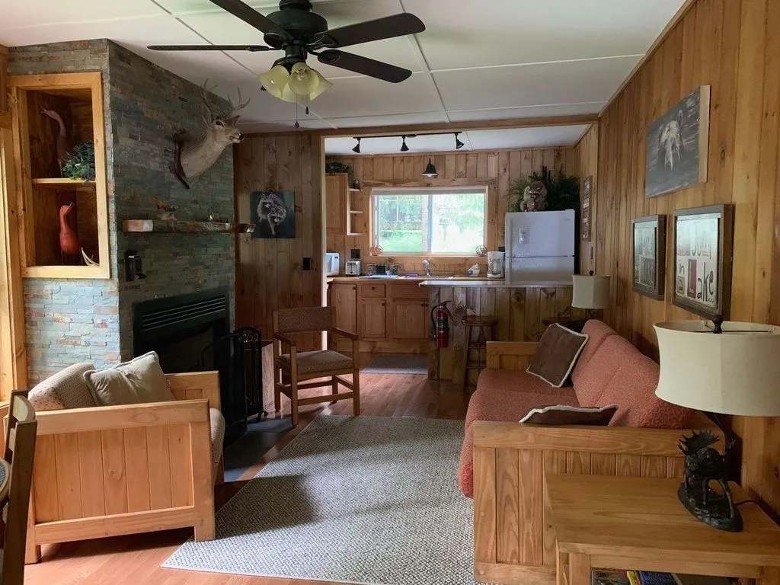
(217, 426)
(318, 361)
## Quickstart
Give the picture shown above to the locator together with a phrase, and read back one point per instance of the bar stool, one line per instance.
(484, 324)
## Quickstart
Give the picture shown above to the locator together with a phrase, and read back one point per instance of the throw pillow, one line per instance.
(138, 381)
(556, 354)
(65, 389)
(562, 414)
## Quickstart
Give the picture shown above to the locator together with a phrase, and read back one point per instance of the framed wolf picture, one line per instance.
(702, 260)
(273, 214)
(678, 145)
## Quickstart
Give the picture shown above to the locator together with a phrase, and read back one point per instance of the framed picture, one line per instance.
(702, 260)
(587, 187)
(649, 255)
(678, 145)
(273, 214)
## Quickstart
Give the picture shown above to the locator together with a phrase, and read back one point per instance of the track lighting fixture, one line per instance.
(404, 148)
(356, 150)
(458, 143)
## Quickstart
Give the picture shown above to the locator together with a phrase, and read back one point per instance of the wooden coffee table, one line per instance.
(638, 523)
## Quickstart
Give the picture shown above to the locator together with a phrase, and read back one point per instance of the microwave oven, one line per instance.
(332, 264)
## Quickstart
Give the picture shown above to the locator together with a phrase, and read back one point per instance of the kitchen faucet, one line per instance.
(427, 266)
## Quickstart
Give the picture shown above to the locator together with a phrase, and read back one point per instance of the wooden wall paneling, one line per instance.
(734, 47)
(5, 114)
(269, 272)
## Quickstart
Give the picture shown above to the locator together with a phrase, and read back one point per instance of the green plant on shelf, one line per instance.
(80, 162)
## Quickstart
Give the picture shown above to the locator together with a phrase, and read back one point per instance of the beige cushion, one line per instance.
(65, 389)
(556, 354)
(217, 426)
(138, 381)
(318, 361)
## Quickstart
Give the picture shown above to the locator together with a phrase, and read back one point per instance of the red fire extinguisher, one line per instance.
(440, 316)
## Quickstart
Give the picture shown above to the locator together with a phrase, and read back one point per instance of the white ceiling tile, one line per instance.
(365, 96)
(34, 13)
(391, 120)
(527, 111)
(309, 123)
(526, 137)
(530, 85)
(467, 33)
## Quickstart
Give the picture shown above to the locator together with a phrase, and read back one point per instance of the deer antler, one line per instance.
(241, 105)
(203, 93)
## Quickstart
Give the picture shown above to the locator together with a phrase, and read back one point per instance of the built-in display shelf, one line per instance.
(167, 226)
(62, 182)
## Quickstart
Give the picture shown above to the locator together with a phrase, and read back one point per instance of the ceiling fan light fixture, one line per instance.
(404, 147)
(275, 80)
(430, 170)
(356, 149)
(458, 143)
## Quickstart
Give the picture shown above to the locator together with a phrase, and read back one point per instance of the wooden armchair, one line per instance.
(18, 452)
(294, 368)
(114, 470)
(513, 543)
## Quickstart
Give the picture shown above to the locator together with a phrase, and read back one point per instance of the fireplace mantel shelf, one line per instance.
(166, 226)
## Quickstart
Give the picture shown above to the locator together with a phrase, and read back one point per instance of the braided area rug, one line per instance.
(363, 500)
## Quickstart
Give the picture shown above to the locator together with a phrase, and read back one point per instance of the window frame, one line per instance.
(429, 190)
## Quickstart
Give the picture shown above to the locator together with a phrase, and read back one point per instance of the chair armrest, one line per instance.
(587, 439)
(342, 333)
(106, 418)
(284, 339)
(194, 385)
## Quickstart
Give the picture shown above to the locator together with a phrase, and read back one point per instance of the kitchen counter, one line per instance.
(494, 283)
(375, 278)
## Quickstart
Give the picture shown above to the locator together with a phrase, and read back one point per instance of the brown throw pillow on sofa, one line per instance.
(570, 415)
(556, 354)
(138, 381)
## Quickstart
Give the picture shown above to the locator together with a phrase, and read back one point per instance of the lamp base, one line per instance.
(711, 507)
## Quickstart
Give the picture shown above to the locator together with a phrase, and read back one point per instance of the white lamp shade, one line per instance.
(735, 372)
(590, 292)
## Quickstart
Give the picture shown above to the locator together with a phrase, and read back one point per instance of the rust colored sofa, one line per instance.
(503, 463)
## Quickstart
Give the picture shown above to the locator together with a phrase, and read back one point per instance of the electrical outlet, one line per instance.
(307, 263)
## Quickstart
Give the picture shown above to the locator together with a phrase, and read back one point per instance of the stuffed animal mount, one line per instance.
(193, 157)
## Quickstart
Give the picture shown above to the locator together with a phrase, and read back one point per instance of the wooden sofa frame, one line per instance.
(117, 470)
(513, 543)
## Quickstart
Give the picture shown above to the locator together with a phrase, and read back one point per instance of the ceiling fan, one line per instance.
(298, 31)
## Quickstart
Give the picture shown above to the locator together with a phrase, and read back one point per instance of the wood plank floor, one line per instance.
(135, 560)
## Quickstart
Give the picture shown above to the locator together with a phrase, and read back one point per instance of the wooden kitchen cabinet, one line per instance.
(372, 316)
(409, 319)
(336, 190)
(343, 299)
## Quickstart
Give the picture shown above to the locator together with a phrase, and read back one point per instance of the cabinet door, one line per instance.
(336, 191)
(410, 319)
(343, 299)
(373, 318)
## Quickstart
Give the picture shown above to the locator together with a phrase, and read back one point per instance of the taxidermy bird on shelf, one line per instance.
(62, 136)
(69, 241)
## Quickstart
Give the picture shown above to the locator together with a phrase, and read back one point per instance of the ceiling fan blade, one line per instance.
(251, 48)
(372, 30)
(364, 65)
(252, 17)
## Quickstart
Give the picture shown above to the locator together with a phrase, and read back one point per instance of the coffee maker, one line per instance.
(495, 261)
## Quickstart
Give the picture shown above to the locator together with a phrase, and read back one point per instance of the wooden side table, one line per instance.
(638, 524)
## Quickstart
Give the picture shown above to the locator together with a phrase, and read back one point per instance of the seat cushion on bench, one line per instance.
(597, 331)
(318, 361)
(217, 428)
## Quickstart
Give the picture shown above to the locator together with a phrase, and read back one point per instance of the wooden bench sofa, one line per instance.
(513, 543)
(115, 470)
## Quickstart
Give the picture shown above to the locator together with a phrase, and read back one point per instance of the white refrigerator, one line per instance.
(540, 246)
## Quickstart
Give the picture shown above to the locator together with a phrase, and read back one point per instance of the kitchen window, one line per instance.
(429, 221)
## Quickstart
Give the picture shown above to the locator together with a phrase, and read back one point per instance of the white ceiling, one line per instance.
(477, 59)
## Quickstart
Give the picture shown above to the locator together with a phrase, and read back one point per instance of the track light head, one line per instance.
(458, 143)
(404, 148)
(356, 150)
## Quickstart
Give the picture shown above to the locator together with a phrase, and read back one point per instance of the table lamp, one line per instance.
(590, 292)
(719, 368)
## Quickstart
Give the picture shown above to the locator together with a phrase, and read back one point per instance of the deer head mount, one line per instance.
(194, 157)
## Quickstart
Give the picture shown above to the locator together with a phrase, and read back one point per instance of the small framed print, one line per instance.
(587, 188)
(649, 255)
(702, 260)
